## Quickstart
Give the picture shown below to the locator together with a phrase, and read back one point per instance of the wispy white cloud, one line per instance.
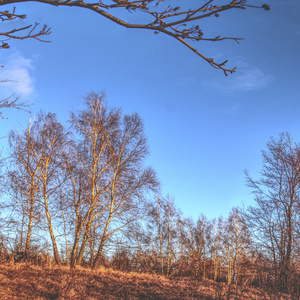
(247, 78)
(17, 76)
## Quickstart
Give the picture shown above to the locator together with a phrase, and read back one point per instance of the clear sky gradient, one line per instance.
(203, 128)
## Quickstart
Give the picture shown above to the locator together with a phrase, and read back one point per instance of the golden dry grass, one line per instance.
(24, 281)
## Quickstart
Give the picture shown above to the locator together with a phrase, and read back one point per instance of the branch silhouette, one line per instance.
(174, 21)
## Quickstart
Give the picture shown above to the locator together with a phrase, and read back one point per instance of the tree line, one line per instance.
(83, 196)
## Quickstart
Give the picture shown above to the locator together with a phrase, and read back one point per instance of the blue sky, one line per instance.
(203, 128)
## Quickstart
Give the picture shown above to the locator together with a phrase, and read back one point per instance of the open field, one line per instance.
(24, 281)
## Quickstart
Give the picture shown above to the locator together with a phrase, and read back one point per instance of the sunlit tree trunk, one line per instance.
(49, 221)
(31, 208)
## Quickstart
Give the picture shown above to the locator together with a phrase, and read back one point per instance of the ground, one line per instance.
(25, 281)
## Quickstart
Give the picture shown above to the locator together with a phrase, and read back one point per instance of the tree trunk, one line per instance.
(54, 245)
(85, 238)
(27, 244)
(75, 248)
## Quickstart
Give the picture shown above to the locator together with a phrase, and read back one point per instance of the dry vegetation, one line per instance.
(25, 281)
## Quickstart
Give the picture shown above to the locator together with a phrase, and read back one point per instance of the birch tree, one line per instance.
(216, 247)
(197, 241)
(47, 150)
(236, 238)
(128, 178)
(24, 177)
(37, 174)
(163, 235)
(94, 125)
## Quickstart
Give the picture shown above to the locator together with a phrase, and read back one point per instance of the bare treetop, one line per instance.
(160, 17)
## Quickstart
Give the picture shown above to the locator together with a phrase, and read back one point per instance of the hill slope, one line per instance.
(22, 281)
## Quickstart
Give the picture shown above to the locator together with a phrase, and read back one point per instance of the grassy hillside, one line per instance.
(22, 281)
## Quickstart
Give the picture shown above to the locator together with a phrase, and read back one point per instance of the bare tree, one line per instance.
(196, 239)
(24, 177)
(37, 175)
(160, 16)
(216, 247)
(94, 125)
(274, 220)
(107, 178)
(128, 179)
(48, 148)
(161, 246)
(236, 240)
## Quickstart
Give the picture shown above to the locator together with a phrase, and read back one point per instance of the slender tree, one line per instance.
(216, 247)
(24, 177)
(47, 151)
(196, 239)
(162, 242)
(236, 239)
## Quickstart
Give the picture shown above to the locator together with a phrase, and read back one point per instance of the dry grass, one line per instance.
(24, 281)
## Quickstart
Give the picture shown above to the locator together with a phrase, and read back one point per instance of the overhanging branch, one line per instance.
(173, 21)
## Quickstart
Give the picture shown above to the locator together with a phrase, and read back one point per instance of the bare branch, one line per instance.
(169, 20)
(12, 102)
(22, 33)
